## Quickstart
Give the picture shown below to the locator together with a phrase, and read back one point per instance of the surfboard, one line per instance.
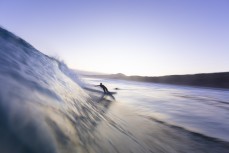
(111, 92)
(99, 91)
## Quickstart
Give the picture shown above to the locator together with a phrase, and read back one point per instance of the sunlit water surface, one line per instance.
(166, 118)
(46, 108)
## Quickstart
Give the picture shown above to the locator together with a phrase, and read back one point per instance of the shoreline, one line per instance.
(207, 80)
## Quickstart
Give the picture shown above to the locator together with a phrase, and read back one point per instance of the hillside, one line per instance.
(216, 80)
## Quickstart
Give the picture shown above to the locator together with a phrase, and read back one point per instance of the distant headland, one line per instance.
(215, 80)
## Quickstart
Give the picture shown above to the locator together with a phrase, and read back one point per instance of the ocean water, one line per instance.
(42, 106)
(45, 107)
(195, 119)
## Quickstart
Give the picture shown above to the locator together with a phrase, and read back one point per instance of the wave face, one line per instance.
(45, 109)
(41, 101)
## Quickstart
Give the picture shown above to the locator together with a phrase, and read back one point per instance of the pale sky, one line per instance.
(134, 37)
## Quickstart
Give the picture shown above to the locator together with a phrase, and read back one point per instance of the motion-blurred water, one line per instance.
(45, 109)
(42, 107)
(169, 118)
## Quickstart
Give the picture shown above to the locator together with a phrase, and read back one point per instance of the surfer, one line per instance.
(103, 87)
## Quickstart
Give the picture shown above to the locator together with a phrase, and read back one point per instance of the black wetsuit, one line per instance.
(104, 88)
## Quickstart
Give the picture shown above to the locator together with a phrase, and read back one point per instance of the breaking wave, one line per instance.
(42, 105)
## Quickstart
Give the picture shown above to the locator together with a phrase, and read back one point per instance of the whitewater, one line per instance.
(45, 107)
